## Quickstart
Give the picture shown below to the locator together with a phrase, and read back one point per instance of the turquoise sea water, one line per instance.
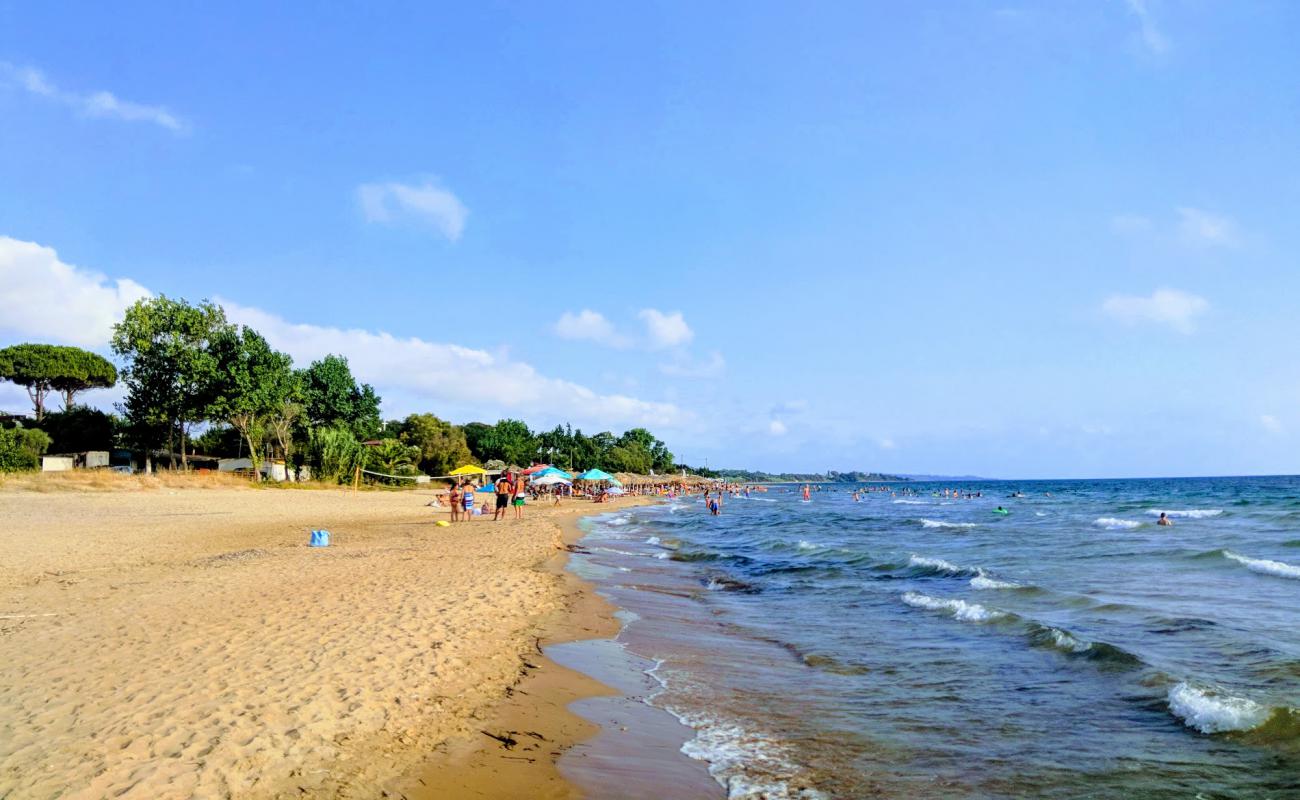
(911, 645)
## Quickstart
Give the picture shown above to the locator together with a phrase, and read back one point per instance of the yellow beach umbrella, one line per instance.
(468, 469)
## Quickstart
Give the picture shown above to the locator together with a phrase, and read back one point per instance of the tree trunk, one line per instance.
(68, 394)
(185, 463)
(171, 447)
(148, 463)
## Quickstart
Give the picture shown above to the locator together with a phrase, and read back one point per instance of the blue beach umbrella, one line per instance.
(595, 475)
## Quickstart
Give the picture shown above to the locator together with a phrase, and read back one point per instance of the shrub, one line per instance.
(21, 449)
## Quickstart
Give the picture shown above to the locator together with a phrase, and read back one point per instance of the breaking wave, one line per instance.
(1116, 524)
(1212, 711)
(1263, 565)
(985, 582)
(934, 523)
(937, 566)
(958, 609)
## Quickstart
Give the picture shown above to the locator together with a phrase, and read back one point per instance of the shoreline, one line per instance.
(550, 699)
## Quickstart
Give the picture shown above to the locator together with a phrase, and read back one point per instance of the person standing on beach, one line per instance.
(517, 497)
(468, 494)
(455, 501)
(503, 496)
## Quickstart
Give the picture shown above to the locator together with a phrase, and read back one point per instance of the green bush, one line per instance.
(21, 449)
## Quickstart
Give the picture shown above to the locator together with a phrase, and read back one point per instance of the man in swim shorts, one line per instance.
(1164, 519)
(518, 497)
(503, 496)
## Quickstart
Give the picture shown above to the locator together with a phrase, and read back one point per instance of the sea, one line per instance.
(911, 644)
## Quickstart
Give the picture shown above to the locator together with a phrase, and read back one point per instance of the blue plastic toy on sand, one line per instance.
(320, 538)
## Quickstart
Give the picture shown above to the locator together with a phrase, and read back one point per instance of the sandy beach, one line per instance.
(172, 641)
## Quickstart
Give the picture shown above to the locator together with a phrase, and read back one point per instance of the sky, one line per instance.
(1008, 239)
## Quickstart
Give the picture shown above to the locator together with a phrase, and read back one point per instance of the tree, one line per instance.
(332, 397)
(391, 457)
(509, 440)
(334, 453)
(42, 368)
(441, 445)
(21, 448)
(642, 441)
(78, 429)
(254, 383)
(170, 368)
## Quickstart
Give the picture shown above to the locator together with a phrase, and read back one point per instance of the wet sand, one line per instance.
(177, 641)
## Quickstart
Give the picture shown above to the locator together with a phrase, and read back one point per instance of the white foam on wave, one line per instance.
(1187, 513)
(1066, 641)
(1213, 712)
(937, 563)
(959, 609)
(652, 540)
(804, 544)
(1117, 524)
(662, 555)
(935, 523)
(903, 502)
(1278, 568)
(985, 582)
(750, 765)
(1040, 513)
(618, 521)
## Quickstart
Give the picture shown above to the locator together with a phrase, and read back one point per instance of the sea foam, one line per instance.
(1263, 565)
(959, 609)
(934, 523)
(985, 582)
(1211, 712)
(939, 565)
(1116, 524)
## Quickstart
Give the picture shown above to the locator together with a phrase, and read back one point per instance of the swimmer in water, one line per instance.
(1164, 519)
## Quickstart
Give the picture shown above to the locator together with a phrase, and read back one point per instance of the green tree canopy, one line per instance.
(442, 445)
(170, 367)
(253, 384)
(78, 429)
(509, 440)
(332, 397)
(42, 368)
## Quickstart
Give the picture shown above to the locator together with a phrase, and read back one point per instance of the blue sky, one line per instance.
(1009, 239)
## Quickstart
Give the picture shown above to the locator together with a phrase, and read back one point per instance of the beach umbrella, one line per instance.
(550, 480)
(615, 482)
(595, 475)
(614, 490)
(536, 468)
(468, 469)
(552, 471)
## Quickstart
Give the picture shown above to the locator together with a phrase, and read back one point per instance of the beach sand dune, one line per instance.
(183, 642)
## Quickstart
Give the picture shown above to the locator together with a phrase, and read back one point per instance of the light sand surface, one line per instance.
(183, 642)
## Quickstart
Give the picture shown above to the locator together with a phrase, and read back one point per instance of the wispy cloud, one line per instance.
(1271, 423)
(89, 104)
(1206, 228)
(1172, 307)
(1152, 38)
(666, 329)
(777, 428)
(425, 202)
(590, 326)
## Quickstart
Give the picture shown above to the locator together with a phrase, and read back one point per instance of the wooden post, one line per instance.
(356, 479)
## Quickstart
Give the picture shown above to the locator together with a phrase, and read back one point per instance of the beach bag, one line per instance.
(320, 538)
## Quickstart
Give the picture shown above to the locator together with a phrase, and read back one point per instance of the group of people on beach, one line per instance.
(511, 491)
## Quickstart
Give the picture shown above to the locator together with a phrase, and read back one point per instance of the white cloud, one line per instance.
(589, 325)
(776, 427)
(92, 104)
(1205, 228)
(684, 367)
(1270, 423)
(1172, 307)
(426, 202)
(453, 380)
(887, 444)
(43, 298)
(1152, 39)
(666, 330)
